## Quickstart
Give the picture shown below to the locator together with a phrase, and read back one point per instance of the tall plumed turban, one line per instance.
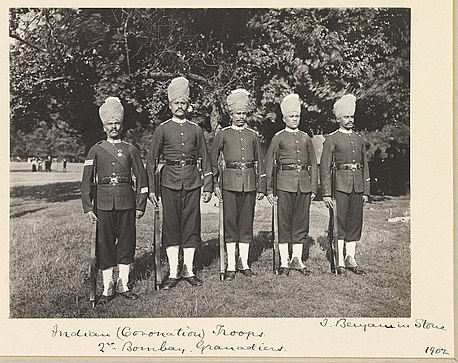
(290, 104)
(346, 105)
(238, 100)
(111, 110)
(178, 89)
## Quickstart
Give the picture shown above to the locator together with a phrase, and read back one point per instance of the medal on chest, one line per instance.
(119, 152)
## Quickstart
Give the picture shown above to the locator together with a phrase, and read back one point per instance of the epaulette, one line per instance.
(225, 128)
(193, 123)
(251, 130)
(125, 142)
(164, 122)
(97, 143)
(357, 133)
(279, 132)
(332, 133)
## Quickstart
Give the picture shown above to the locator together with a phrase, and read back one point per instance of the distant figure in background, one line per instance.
(297, 184)
(34, 164)
(352, 182)
(111, 163)
(40, 164)
(64, 164)
(48, 163)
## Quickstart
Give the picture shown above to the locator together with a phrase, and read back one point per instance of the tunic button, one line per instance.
(243, 148)
(113, 163)
(183, 154)
(298, 159)
(353, 151)
(114, 173)
(182, 143)
(182, 134)
(351, 142)
(241, 139)
(297, 150)
(243, 158)
(297, 141)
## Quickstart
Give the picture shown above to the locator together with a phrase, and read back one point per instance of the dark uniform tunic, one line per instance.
(181, 144)
(297, 178)
(352, 180)
(112, 165)
(240, 147)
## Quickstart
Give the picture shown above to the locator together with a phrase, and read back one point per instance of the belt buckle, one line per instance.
(182, 162)
(113, 180)
(299, 167)
(242, 165)
(353, 167)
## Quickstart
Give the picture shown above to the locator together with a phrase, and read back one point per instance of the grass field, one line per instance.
(50, 241)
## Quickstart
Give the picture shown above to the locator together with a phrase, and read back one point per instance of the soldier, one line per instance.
(297, 184)
(242, 184)
(111, 163)
(352, 182)
(181, 143)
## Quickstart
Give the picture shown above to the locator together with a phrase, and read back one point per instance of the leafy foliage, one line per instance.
(65, 62)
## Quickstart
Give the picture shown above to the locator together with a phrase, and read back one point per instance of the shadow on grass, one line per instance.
(52, 193)
(24, 212)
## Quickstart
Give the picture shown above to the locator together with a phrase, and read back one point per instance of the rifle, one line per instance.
(276, 250)
(332, 228)
(94, 268)
(221, 166)
(157, 230)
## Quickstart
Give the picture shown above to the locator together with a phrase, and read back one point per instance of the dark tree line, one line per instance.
(64, 62)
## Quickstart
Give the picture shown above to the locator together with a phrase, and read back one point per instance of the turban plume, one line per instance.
(290, 104)
(238, 100)
(111, 110)
(178, 89)
(346, 105)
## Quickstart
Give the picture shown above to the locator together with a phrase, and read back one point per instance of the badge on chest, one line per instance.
(119, 153)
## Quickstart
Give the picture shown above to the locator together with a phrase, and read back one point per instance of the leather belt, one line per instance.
(180, 162)
(114, 180)
(239, 164)
(349, 166)
(297, 167)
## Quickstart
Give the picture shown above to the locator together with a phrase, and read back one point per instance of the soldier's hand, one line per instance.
(365, 199)
(218, 192)
(206, 196)
(139, 213)
(92, 216)
(312, 197)
(272, 200)
(328, 202)
(259, 196)
(153, 199)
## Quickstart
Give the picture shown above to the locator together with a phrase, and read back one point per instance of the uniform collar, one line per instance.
(289, 129)
(238, 128)
(117, 141)
(343, 131)
(178, 121)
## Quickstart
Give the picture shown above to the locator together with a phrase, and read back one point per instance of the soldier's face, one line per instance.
(178, 108)
(346, 121)
(113, 129)
(238, 118)
(292, 120)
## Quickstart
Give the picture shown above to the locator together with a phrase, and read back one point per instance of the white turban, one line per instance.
(346, 105)
(111, 110)
(290, 104)
(238, 100)
(178, 89)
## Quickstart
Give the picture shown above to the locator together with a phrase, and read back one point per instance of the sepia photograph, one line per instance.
(237, 182)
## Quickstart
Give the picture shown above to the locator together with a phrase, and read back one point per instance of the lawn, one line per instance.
(50, 241)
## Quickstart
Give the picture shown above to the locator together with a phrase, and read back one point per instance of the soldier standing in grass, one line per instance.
(297, 184)
(352, 182)
(181, 143)
(111, 163)
(242, 184)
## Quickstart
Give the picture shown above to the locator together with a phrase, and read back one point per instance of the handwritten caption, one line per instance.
(419, 324)
(179, 341)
